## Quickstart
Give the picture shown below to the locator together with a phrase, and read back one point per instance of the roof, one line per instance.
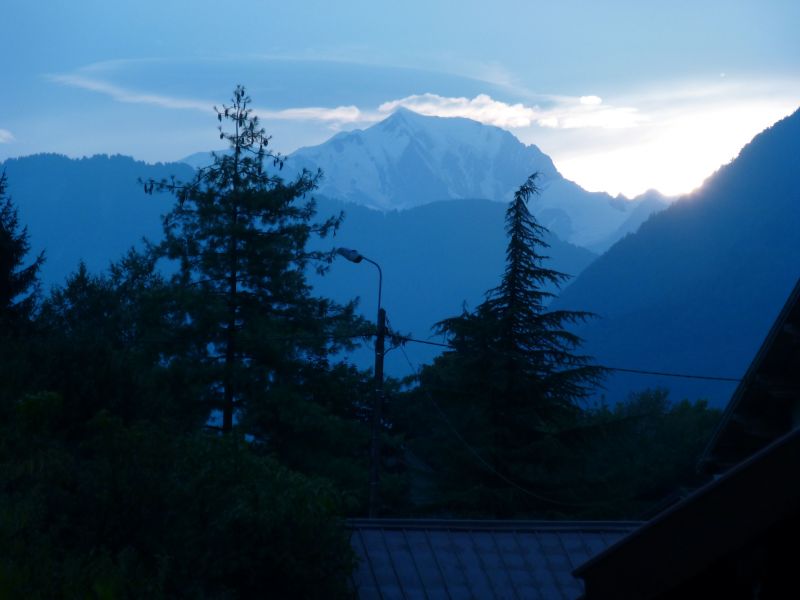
(717, 519)
(766, 402)
(454, 559)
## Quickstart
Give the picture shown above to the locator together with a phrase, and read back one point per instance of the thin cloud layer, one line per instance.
(482, 108)
(122, 94)
(565, 112)
(338, 115)
(6, 137)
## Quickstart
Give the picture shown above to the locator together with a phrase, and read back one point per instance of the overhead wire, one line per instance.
(398, 340)
(607, 368)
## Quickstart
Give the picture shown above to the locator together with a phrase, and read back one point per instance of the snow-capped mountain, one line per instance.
(409, 160)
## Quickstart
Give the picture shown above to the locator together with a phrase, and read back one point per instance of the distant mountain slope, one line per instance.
(696, 289)
(408, 160)
(90, 209)
(435, 258)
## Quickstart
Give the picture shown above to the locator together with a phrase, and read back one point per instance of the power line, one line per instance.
(402, 339)
(667, 374)
(618, 369)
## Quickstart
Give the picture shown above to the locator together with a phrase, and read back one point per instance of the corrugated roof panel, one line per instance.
(594, 542)
(474, 571)
(447, 559)
(426, 561)
(473, 560)
(403, 561)
(576, 550)
(535, 556)
(494, 565)
(378, 560)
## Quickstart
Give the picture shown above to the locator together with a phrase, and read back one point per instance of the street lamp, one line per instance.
(375, 441)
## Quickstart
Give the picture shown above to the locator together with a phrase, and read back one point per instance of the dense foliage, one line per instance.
(117, 510)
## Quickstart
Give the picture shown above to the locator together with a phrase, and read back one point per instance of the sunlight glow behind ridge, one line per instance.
(678, 153)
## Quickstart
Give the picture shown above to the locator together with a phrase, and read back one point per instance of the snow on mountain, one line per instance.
(409, 160)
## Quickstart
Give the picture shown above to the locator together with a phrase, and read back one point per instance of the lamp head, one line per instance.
(351, 255)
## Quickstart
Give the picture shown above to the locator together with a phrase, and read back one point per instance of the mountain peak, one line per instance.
(409, 159)
(403, 111)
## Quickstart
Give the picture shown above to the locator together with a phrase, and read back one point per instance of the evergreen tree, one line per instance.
(239, 234)
(262, 343)
(18, 284)
(512, 380)
(117, 341)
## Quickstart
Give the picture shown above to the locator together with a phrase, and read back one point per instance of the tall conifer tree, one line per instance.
(513, 378)
(18, 283)
(239, 234)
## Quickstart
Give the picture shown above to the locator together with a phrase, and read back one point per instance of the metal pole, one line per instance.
(375, 446)
(377, 406)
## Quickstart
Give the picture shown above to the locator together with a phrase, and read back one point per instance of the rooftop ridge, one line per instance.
(491, 525)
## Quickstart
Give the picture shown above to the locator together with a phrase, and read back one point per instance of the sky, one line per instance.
(625, 96)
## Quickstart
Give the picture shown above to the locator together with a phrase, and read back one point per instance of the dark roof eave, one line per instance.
(750, 376)
(704, 517)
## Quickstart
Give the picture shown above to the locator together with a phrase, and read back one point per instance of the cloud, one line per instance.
(559, 112)
(480, 108)
(337, 115)
(125, 95)
(565, 112)
(6, 137)
(340, 114)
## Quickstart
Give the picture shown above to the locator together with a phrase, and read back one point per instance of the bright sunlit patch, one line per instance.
(591, 100)
(678, 151)
(600, 117)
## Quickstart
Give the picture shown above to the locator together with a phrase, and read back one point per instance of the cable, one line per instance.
(398, 340)
(666, 374)
(618, 369)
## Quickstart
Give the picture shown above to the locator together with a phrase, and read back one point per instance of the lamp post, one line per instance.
(375, 432)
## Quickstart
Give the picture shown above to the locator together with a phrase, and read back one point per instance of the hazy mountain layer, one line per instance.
(90, 209)
(696, 289)
(435, 259)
